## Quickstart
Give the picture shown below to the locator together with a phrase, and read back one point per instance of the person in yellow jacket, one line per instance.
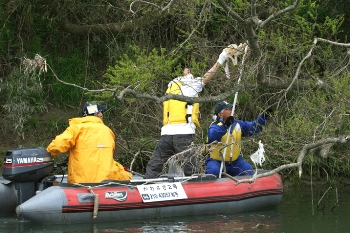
(91, 146)
(180, 120)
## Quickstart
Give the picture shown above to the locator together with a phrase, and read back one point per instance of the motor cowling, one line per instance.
(27, 164)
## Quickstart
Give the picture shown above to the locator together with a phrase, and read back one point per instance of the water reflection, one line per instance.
(301, 210)
(297, 212)
(266, 221)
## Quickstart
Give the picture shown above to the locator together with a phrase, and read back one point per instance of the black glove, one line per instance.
(268, 113)
(229, 121)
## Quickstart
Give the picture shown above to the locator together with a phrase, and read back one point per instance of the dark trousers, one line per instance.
(167, 146)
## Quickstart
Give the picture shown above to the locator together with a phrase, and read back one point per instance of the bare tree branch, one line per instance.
(154, 98)
(139, 152)
(279, 13)
(119, 27)
(195, 29)
(150, 3)
(309, 55)
(178, 97)
(83, 88)
(234, 14)
(250, 29)
(306, 149)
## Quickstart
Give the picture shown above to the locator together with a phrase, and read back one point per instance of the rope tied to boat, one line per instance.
(95, 212)
(96, 196)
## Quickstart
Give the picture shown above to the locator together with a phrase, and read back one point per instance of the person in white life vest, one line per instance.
(180, 120)
(218, 131)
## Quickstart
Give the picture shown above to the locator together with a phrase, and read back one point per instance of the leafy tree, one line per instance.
(134, 48)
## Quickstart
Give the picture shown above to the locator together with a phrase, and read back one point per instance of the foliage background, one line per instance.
(151, 48)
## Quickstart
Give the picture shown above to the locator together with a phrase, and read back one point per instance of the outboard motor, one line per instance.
(26, 167)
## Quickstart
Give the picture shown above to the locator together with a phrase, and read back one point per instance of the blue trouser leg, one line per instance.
(212, 166)
(239, 167)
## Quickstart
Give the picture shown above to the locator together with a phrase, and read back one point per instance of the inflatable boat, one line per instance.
(29, 189)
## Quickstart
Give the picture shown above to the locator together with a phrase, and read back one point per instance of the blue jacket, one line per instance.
(249, 128)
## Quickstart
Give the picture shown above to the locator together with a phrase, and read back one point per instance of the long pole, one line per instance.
(233, 111)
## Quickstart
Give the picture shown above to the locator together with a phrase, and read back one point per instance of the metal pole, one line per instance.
(233, 110)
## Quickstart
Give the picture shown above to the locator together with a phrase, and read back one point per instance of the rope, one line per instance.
(95, 212)
(96, 196)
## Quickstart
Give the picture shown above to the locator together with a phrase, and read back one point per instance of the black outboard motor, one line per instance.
(26, 167)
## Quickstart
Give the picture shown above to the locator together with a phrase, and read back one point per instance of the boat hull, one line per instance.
(8, 197)
(71, 204)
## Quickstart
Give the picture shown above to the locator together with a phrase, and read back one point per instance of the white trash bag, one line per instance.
(258, 157)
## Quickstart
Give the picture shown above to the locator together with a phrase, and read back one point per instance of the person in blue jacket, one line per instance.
(218, 131)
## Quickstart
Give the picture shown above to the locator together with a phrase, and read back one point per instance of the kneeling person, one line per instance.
(218, 131)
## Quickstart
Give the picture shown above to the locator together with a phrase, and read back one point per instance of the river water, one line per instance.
(319, 209)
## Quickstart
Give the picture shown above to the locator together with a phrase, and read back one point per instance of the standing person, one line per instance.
(218, 131)
(91, 146)
(180, 120)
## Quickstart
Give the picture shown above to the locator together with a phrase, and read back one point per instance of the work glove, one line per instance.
(231, 52)
(234, 51)
(229, 121)
(223, 57)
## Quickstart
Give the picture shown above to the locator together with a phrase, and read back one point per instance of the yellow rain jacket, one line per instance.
(91, 145)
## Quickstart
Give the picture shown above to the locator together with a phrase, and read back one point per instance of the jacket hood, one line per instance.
(87, 119)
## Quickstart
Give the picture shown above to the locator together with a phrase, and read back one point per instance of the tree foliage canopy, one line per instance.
(137, 47)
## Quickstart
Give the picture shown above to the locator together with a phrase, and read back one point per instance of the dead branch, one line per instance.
(206, 5)
(153, 98)
(324, 195)
(176, 162)
(306, 149)
(30, 65)
(138, 153)
(118, 27)
(231, 12)
(279, 13)
(250, 22)
(309, 55)
(336, 198)
(150, 3)
(191, 99)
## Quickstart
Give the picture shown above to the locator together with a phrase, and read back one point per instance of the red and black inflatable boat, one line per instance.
(47, 200)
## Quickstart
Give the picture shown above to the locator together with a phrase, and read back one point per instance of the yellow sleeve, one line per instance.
(62, 143)
(121, 174)
(114, 144)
